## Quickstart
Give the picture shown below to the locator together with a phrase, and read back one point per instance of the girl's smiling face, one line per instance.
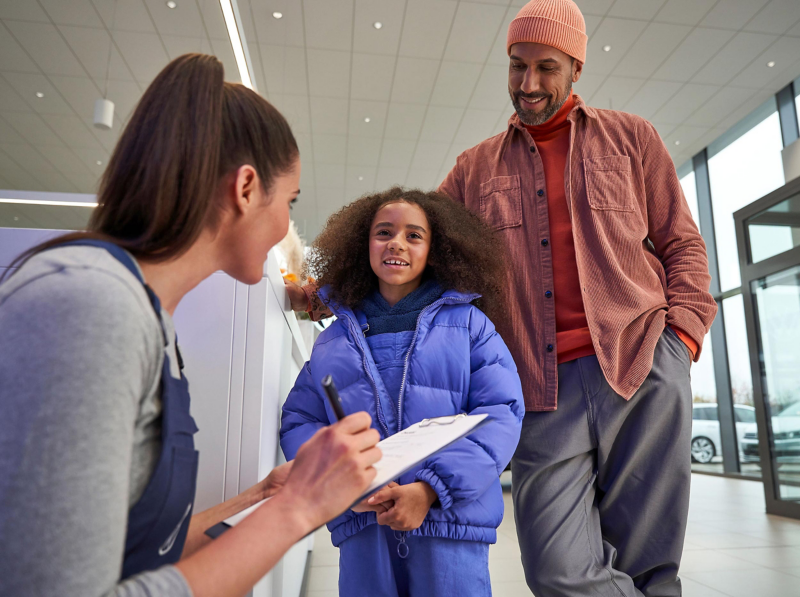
(399, 243)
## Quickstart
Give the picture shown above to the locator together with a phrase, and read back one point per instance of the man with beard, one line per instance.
(608, 306)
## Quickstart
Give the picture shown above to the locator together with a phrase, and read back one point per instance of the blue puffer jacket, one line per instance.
(457, 363)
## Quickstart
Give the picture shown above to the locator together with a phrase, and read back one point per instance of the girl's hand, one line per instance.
(275, 480)
(297, 296)
(411, 505)
(380, 508)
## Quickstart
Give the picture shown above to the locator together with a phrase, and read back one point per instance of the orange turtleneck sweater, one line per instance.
(573, 339)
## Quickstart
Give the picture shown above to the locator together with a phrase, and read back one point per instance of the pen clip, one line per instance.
(447, 420)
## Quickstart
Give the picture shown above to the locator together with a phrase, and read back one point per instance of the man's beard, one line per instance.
(534, 118)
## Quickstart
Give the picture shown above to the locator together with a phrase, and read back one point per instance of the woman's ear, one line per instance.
(245, 185)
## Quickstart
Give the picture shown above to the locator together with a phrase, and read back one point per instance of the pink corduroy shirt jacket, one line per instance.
(641, 261)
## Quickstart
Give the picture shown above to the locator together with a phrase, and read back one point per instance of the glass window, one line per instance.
(706, 446)
(744, 414)
(741, 381)
(741, 171)
(792, 411)
(704, 384)
(690, 192)
(775, 230)
(738, 355)
(797, 95)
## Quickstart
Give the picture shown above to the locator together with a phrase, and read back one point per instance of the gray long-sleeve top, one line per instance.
(81, 352)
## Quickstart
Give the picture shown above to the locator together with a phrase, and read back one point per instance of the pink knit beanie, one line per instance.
(556, 23)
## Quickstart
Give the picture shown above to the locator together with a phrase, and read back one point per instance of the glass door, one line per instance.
(776, 302)
(768, 237)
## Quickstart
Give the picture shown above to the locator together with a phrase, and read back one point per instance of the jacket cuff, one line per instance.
(432, 479)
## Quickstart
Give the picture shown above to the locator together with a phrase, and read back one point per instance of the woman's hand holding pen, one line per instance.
(410, 505)
(332, 469)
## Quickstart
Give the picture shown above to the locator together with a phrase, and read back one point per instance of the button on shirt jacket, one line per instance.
(641, 261)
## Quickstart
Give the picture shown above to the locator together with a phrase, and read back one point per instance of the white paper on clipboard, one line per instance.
(406, 449)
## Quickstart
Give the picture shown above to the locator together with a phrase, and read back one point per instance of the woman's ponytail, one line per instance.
(157, 192)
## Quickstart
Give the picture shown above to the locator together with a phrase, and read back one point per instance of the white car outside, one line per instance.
(706, 442)
(785, 434)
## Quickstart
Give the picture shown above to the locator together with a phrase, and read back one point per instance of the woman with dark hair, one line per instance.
(411, 277)
(97, 459)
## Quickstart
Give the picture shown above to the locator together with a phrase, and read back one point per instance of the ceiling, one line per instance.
(432, 80)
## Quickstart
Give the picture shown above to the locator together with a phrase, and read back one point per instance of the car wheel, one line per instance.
(702, 450)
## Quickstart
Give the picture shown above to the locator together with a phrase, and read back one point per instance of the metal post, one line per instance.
(787, 112)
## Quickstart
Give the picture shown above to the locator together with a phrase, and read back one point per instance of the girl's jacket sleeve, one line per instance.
(303, 413)
(463, 471)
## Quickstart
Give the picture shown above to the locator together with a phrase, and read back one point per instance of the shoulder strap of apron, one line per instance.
(128, 262)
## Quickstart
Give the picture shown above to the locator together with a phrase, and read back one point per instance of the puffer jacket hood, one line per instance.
(457, 363)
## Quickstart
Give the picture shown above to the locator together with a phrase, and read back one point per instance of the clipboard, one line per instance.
(232, 521)
(401, 453)
(411, 446)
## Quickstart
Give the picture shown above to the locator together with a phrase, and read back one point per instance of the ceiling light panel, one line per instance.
(230, 12)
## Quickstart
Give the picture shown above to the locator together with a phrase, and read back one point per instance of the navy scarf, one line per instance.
(383, 319)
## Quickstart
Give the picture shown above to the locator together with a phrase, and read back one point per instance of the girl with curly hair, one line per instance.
(411, 277)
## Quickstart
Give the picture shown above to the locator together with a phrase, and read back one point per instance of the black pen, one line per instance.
(333, 397)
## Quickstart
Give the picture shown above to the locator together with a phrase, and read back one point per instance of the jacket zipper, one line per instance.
(378, 410)
(408, 355)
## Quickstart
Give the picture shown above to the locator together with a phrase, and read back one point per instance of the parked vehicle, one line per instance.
(785, 432)
(706, 442)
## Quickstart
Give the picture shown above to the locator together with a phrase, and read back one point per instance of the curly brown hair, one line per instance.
(465, 255)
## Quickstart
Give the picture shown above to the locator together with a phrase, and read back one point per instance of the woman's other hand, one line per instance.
(274, 481)
(297, 296)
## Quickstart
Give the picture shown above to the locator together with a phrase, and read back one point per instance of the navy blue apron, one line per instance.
(159, 520)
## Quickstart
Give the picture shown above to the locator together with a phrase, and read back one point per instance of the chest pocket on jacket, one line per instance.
(609, 183)
(501, 202)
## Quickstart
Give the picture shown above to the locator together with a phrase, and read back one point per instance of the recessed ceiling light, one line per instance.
(172, 4)
(367, 119)
(277, 15)
(771, 63)
(677, 142)
(99, 163)
(39, 94)
(377, 24)
(606, 48)
(16, 219)
(360, 178)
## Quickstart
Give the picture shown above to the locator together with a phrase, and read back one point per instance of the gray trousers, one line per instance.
(601, 485)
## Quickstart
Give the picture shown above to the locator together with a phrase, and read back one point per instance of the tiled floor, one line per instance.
(732, 548)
